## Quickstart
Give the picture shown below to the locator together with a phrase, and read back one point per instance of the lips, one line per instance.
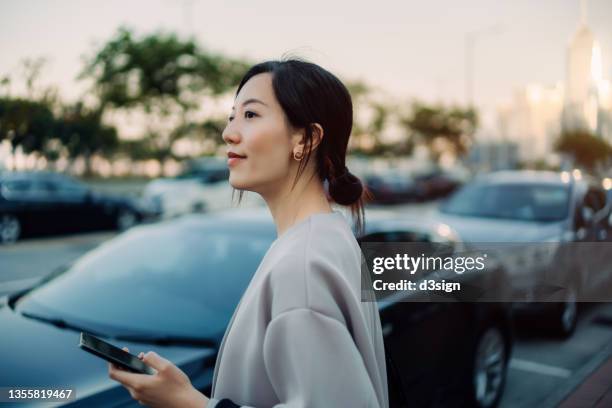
(232, 155)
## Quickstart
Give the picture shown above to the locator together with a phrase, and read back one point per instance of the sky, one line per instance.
(409, 49)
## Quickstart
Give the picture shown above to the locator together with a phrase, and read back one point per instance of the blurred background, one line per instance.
(474, 122)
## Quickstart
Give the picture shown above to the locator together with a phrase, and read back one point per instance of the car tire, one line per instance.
(564, 314)
(125, 219)
(488, 367)
(10, 228)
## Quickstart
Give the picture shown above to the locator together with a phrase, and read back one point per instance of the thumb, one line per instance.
(156, 361)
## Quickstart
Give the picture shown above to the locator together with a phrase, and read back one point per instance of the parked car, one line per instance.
(469, 343)
(392, 187)
(34, 203)
(607, 185)
(437, 184)
(172, 287)
(203, 186)
(551, 219)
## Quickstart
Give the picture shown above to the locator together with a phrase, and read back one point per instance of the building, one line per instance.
(532, 120)
(538, 113)
(583, 79)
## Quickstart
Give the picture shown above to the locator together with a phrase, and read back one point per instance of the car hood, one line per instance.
(38, 354)
(475, 229)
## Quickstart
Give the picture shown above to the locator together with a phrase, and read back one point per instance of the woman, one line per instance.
(300, 336)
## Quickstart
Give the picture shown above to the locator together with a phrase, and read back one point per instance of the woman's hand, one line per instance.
(168, 387)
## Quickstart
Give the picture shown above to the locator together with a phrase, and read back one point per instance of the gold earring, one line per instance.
(298, 155)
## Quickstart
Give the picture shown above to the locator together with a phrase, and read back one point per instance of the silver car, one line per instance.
(550, 225)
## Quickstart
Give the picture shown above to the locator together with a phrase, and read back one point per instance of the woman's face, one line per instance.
(257, 131)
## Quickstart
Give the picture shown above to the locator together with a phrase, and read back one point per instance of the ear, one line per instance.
(299, 146)
(317, 135)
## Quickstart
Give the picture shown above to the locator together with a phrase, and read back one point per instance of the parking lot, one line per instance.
(542, 370)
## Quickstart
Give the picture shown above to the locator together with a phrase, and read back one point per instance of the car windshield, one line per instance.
(525, 202)
(164, 279)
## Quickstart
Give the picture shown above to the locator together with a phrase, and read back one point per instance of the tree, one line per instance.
(82, 133)
(442, 128)
(367, 133)
(29, 122)
(25, 123)
(163, 76)
(586, 148)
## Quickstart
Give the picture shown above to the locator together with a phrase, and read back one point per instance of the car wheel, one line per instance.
(10, 229)
(489, 368)
(126, 219)
(565, 314)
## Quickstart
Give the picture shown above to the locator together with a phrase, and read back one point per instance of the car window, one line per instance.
(26, 189)
(13, 188)
(526, 202)
(218, 175)
(68, 187)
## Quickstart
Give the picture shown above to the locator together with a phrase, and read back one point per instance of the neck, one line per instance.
(290, 206)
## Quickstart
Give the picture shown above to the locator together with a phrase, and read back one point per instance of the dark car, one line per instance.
(392, 187)
(447, 354)
(33, 203)
(208, 171)
(607, 185)
(172, 287)
(555, 224)
(437, 184)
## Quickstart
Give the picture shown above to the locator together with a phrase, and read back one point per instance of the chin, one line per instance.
(238, 184)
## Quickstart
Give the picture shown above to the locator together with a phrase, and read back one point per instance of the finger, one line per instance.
(128, 379)
(156, 361)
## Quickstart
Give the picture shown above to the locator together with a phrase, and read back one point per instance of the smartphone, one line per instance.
(113, 354)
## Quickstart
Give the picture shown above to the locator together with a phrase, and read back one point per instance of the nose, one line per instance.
(230, 135)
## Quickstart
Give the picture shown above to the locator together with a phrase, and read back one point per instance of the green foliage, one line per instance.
(586, 148)
(366, 136)
(32, 126)
(25, 123)
(165, 76)
(358, 89)
(452, 127)
(83, 134)
(141, 149)
(157, 68)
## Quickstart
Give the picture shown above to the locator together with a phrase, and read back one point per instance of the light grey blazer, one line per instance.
(300, 336)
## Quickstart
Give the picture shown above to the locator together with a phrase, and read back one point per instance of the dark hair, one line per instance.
(309, 94)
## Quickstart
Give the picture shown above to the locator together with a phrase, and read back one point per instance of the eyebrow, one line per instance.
(252, 100)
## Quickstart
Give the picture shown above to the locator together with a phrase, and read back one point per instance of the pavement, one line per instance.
(592, 387)
(595, 391)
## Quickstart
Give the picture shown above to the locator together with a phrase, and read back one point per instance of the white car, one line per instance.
(203, 187)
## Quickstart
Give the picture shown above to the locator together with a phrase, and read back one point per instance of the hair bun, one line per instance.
(345, 189)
